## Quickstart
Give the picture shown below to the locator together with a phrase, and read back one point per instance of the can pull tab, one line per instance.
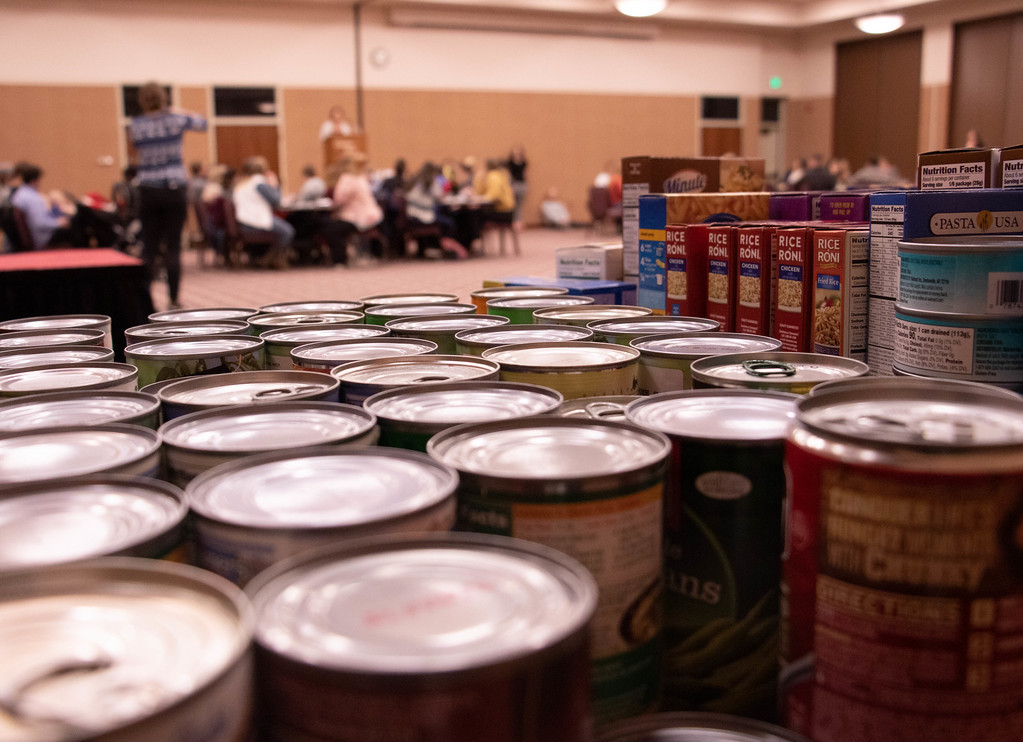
(285, 391)
(429, 379)
(768, 369)
(12, 701)
(600, 410)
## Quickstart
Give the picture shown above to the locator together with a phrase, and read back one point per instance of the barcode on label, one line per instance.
(1005, 292)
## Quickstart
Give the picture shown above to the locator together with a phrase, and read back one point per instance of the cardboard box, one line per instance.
(793, 298)
(845, 207)
(686, 246)
(1010, 167)
(722, 274)
(602, 262)
(796, 206)
(754, 265)
(603, 292)
(841, 269)
(957, 169)
(643, 175)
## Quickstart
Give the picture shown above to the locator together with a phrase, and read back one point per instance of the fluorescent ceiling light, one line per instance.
(880, 23)
(640, 8)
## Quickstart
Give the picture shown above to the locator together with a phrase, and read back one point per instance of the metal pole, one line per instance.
(357, 17)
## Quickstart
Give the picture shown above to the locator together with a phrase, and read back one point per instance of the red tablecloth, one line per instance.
(42, 260)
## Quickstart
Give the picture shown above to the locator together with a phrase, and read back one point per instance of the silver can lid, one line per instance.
(420, 310)
(321, 488)
(204, 313)
(60, 376)
(700, 344)
(510, 334)
(198, 347)
(463, 402)
(919, 413)
(717, 414)
(58, 522)
(591, 312)
(247, 387)
(303, 319)
(508, 292)
(566, 355)
(775, 368)
(266, 428)
(188, 329)
(142, 635)
(655, 325)
(540, 302)
(415, 370)
(549, 448)
(56, 321)
(695, 727)
(51, 453)
(322, 333)
(36, 338)
(74, 408)
(319, 305)
(977, 244)
(446, 323)
(427, 298)
(346, 351)
(46, 355)
(422, 605)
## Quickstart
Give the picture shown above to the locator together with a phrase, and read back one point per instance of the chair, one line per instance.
(200, 239)
(424, 235)
(9, 225)
(501, 223)
(24, 234)
(238, 244)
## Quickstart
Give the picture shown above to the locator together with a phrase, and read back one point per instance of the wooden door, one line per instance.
(235, 143)
(721, 140)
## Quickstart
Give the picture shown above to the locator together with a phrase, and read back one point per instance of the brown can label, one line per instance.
(902, 603)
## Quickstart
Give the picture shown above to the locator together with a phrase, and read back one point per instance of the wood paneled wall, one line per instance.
(809, 123)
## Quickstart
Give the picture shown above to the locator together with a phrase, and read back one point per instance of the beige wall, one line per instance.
(934, 116)
(809, 127)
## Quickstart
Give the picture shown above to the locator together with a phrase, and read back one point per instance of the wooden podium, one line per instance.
(340, 145)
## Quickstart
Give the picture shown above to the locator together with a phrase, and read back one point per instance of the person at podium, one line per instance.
(337, 123)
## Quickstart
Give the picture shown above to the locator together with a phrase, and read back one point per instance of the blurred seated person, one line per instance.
(313, 187)
(255, 197)
(211, 208)
(51, 219)
(553, 211)
(495, 187)
(391, 197)
(877, 172)
(124, 195)
(423, 208)
(817, 177)
(337, 123)
(356, 210)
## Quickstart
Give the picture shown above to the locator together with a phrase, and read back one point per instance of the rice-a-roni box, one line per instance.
(722, 276)
(687, 269)
(793, 298)
(661, 209)
(645, 174)
(841, 270)
(753, 284)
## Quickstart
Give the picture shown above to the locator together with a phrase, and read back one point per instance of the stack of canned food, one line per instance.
(460, 525)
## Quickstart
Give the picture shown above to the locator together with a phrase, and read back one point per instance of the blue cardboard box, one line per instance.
(603, 292)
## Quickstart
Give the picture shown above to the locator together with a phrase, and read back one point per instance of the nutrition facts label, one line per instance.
(886, 228)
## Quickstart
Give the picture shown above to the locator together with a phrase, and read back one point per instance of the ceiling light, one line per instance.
(880, 23)
(640, 8)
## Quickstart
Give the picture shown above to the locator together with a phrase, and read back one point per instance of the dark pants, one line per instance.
(162, 212)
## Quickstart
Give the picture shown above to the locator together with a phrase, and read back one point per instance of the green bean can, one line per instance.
(723, 501)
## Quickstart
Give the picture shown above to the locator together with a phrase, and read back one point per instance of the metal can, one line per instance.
(778, 371)
(722, 545)
(99, 322)
(281, 341)
(203, 314)
(328, 355)
(903, 571)
(441, 329)
(198, 393)
(169, 358)
(966, 347)
(198, 441)
(76, 450)
(382, 314)
(480, 297)
(46, 355)
(592, 489)
(978, 274)
(247, 517)
(582, 315)
(121, 648)
(474, 342)
(260, 323)
(36, 338)
(598, 408)
(575, 369)
(410, 416)
(624, 331)
(79, 408)
(193, 328)
(696, 727)
(362, 379)
(67, 521)
(664, 360)
(520, 310)
(314, 305)
(56, 377)
(425, 298)
(454, 637)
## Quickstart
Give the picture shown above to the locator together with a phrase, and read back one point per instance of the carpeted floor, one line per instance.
(251, 287)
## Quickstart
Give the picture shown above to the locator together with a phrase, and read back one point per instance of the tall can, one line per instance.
(722, 545)
(62, 322)
(592, 489)
(903, 572)
(453, 637)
